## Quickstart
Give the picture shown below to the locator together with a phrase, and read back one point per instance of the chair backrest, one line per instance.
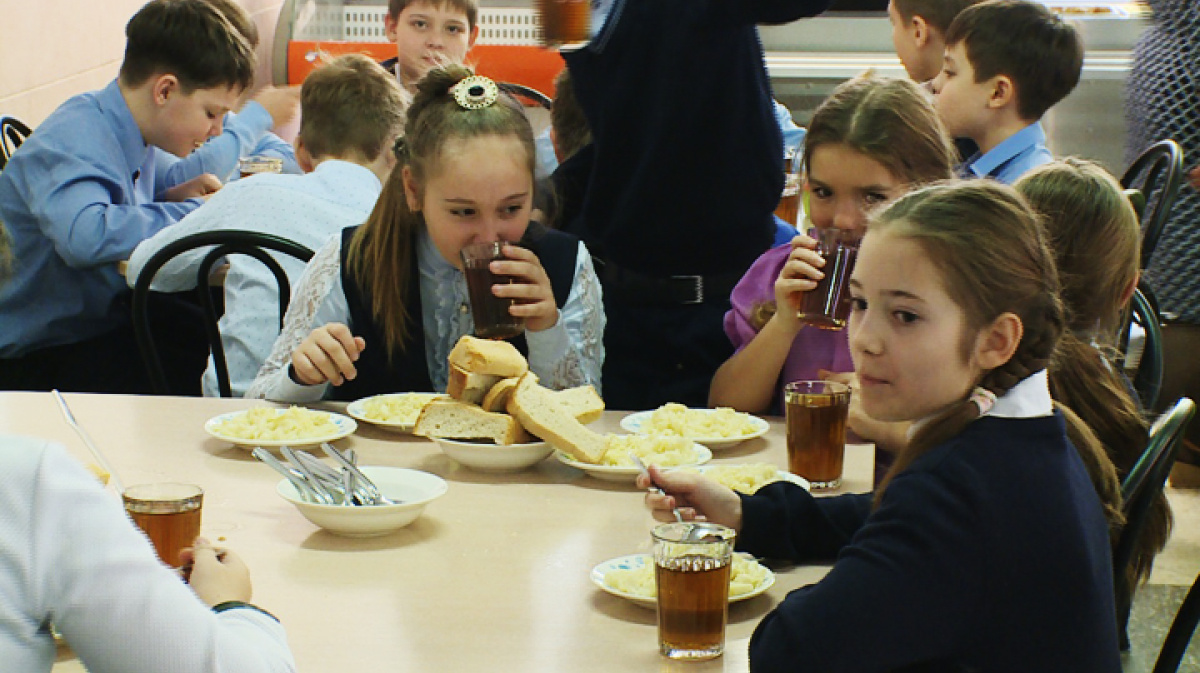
(13, 132)
(520, 91)
(223, 243)
(1138, 491)
(1182, 628)
(1158, 174)
(1148, 377)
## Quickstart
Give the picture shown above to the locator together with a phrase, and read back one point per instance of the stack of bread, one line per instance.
(494, 396)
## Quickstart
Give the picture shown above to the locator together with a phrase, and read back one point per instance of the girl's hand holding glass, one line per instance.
(534, 298)
(696, 496)
(328, 354)
(799, 275)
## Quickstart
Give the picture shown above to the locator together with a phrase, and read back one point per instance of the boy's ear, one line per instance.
(1004, 92)
(921, 31)
(474, 36)
(389, 27)
(412, 192)
(996, 343)
(162, 87)
(303, 157)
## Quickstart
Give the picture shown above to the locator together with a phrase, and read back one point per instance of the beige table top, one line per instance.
(493, 576)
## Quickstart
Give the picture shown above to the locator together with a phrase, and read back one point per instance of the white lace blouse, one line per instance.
(569, 354)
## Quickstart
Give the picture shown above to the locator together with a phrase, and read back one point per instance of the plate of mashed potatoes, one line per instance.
(272, 427)
(717, 429)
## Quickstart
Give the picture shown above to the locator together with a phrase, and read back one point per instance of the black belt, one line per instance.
(643, 290)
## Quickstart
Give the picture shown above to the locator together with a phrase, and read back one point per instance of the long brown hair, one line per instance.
(992, 256)
(381, 254)
(1096, 241)
(888, 120)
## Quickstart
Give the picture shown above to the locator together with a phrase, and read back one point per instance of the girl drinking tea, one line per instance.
(872, 140)
(379, 307)
(986, 548)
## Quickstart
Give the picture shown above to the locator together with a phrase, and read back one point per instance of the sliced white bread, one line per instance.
(458, 420)
(497, 398)
(540, 411)
(467, 386)
(485, 356)
(583, 403)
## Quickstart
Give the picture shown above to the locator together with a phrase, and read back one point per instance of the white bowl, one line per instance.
(411, 489)
(488, 457)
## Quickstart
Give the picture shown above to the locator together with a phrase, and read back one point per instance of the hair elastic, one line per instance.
(984, 399)
(475, 92)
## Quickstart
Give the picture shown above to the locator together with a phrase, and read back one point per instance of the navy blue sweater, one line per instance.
(688, 163)
(990, 553)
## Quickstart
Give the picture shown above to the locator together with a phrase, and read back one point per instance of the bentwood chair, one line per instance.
(13, 132)
(1158, 174)
(222, 243)
(524, 93)
(1182, 630)
(1138, 492)
(1148, 375)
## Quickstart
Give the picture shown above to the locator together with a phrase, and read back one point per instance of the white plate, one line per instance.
(627, 473)
(357, 409)
(411, 489)
(636, 561)
(781, 475)
(635, 422)
(345, 427)
(488, 457)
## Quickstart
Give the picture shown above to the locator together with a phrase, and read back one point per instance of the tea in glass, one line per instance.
(816, 430)
(566, 24)
(827, 306)
(248, 166)
(493, 320)
(692, 563)
(169, 514)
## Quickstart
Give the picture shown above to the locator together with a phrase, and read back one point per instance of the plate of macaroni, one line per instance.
(395, 412)
(661, 450)
(632, 578)
(747, 478)
(271, 427)
(719, 428)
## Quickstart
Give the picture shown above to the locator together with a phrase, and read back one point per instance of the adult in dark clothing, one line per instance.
(686, 172)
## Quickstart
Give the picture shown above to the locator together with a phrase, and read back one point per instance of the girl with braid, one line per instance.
(986, 547)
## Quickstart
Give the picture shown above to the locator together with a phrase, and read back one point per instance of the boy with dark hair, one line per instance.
(1007, 62)
(428, 33)
(352, 112)
(919, 33)
(80, 194)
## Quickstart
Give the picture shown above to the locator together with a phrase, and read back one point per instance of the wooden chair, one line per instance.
(13, 132)
(1141, 486)
(1158, 174)
(223, 243)
(1182, 630)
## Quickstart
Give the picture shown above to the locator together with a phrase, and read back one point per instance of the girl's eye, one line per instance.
(463, 212)
(906, 317)
(513, 210)
(858, 304)
(821, 192)
(875, 198)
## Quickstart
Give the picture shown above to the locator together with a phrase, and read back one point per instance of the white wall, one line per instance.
(51, 50)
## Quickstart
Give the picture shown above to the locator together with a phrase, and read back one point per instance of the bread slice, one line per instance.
(541, 412)
(582, 402)
(458, 420)
(497, 398)
(468, 386)
(485, 356)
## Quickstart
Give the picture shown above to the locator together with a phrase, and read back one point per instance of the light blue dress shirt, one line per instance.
(1012, 158)
(308, 209)
(245, 133)
(77, 198)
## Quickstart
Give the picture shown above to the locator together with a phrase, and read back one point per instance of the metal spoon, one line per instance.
(323, 495)
(654, 489)
(306, 492)
(375, 496)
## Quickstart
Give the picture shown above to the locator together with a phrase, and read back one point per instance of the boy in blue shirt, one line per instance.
(1006, 63)
(83, 191)
(428, 33)
(919, 33)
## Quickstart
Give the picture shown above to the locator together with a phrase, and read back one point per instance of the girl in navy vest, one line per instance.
(986, 548)
(379, 307)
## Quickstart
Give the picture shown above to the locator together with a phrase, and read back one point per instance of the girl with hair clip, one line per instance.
(1096, 240)
(379, 308)
(987, 547)
(872, 140)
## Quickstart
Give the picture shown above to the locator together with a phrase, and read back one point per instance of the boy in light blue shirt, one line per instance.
(85, 189)
(1007, 62)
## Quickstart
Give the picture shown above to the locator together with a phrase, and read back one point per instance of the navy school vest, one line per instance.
(408, 371)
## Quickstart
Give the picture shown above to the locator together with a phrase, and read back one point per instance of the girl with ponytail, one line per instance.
(986, 548)
(379, 307)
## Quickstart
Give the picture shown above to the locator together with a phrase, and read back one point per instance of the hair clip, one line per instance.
(984, 399)
(400, 148)
(475, 92)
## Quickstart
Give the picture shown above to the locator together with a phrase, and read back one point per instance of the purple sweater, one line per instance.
(813, 348)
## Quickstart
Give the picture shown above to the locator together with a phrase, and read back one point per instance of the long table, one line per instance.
(493, 576)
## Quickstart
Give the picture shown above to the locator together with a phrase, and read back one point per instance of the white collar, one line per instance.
(1028, 399)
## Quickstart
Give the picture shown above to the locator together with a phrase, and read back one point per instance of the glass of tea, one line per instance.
(827, 306)
(566, 24)
(493, 320)
(692, 561)
(816, 430)
(169, 514)
(248, 166)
